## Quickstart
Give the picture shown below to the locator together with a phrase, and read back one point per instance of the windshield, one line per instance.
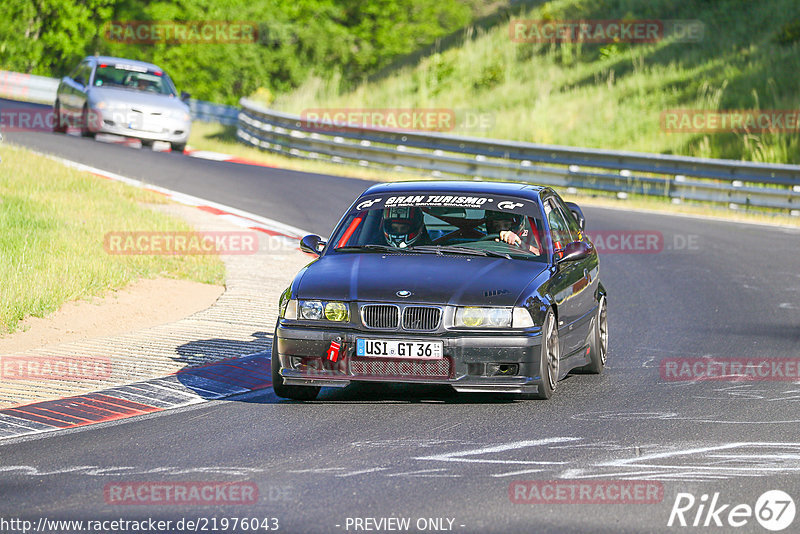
(134, 78)
(510, 228)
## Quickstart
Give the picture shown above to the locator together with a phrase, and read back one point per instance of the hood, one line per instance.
(128, 97)
(448, 279)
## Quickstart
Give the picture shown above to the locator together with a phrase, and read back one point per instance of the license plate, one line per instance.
(394, 348)
(144, 125)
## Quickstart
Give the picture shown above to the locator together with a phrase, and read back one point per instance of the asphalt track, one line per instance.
(715, 289)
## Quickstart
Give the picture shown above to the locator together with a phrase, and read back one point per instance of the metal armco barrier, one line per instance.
(208, 112)
(738, 184)
(29, 87)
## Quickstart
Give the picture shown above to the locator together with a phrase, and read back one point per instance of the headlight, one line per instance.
(181, 115)
(336, 311)
(311, 309)
(478, 317)
(317, 310)
(107, 104)
(474, 317)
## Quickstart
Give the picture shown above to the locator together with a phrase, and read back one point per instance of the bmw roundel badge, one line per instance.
(403, 293)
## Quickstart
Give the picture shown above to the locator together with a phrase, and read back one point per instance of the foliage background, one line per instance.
(458, 54)
(296, 37)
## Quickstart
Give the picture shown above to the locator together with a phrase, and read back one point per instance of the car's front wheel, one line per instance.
(85, 130)
(304, 393)
(59, 124)
(549, 362)
(178, 147)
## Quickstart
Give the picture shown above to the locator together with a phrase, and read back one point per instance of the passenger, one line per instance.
(513, 229)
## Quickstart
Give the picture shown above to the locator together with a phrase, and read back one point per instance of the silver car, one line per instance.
(123, 97)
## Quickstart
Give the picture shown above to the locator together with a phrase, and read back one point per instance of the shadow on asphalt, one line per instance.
(371, 393)
(235, 378)
(223, 349)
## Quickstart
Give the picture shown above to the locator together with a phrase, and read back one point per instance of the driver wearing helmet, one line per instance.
(511, 228)
(404, 227)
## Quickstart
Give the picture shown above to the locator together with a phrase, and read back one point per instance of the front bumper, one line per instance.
(167, 129)
(302, 351)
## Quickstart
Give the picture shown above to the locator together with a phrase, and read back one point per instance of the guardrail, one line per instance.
(738, 184)
(30, 87)
(209, 112)
(41, 89)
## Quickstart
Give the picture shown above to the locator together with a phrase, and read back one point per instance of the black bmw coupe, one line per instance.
(486, 287)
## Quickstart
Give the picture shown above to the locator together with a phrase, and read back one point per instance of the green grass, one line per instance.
(52, 223)
(607, 96)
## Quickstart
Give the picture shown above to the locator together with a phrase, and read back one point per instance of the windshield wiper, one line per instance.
(378, 248)
(455, 249)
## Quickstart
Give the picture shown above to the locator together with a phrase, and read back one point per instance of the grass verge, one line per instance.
(603, 95)
(52, 223)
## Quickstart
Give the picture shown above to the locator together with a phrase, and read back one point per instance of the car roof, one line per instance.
(433, 186)
(112, 59)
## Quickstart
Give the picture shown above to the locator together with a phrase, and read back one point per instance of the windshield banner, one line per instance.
(448, 200)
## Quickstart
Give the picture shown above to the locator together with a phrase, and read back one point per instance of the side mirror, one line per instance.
(312, 244)
(185, 96)
(577, 213)
(576, 250)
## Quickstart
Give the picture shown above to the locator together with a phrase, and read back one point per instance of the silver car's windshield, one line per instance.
(133, 78)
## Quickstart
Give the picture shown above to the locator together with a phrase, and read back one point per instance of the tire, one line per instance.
(85, 131)
(549, 363)
(302, 393)
(598, 344)
(59, 125)
(178, 147)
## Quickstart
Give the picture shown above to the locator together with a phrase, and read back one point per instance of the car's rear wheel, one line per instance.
(59, 124)
(303, 393)
(549, 363)
(85, 131)
(598, 343)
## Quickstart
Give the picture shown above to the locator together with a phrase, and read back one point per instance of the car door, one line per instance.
(567, 282)
(586, 289)
(73, 94)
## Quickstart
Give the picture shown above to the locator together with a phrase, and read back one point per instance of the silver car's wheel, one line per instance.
(59, 124)
(85, 126)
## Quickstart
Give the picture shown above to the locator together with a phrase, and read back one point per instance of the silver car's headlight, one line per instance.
(486, 317)
(181, 115)
(108, 105)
